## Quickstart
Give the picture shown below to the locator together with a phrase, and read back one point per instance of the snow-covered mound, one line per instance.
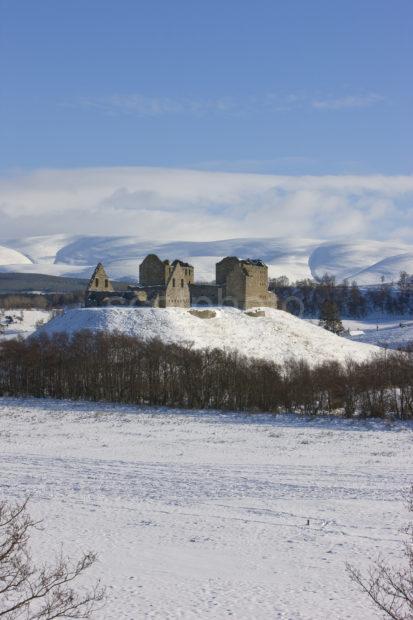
(278, 336)
(364, 261)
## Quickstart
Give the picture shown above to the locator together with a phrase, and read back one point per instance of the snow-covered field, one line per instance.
(278, 336)
(382, 332)
(25, 322)
(392, 334)
(364, 260)
(203, 515)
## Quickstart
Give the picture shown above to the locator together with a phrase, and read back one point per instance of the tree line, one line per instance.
(124, 369)
(305, 297)
(40, 301)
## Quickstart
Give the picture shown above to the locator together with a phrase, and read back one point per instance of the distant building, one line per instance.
(99, 291)
(162, 284)
(154, 272)
(246, 283)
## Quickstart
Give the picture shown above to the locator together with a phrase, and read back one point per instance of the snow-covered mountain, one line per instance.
(363, 260)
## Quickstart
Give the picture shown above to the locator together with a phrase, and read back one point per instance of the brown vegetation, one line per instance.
(125, 369)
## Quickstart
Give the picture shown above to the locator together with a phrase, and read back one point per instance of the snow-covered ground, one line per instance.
(364, 260)
(278, 336)
(203, 515)
(392, 337)
(30, 321)
(383, 333)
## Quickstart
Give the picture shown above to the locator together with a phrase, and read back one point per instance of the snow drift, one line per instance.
(277, 336)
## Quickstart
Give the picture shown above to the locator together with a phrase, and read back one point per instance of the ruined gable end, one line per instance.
(99, 281)
(152, 271)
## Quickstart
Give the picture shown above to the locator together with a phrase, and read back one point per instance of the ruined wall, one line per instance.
(235, 290)
(257, 293)
(206, 294)
(224, 268)
(155, 272)
(152, 271)
(177, 291)
(247, 286)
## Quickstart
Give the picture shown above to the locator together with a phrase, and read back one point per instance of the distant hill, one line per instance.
(76, 256)
(37, 282)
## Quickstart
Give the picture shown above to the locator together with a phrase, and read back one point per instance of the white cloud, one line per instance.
(143, 105)
(140, 104)
(349, 101)
(167, 204)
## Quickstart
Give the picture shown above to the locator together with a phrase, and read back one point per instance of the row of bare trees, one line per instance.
(125, 369)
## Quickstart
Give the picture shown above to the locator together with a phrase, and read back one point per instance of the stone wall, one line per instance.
(177, 290)
(224, 268)
(206, 295)
(247, 286)
(152, 271)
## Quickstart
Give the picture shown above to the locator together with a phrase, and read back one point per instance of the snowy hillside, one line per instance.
(296, 258)
(204, 515)
(8, 256)
(365, 262)
(278, 336)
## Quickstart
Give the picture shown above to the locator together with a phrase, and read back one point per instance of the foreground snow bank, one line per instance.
(278, 336)
(204, 515)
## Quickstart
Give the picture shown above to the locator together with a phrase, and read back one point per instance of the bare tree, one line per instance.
(390, 588)
(43, 592)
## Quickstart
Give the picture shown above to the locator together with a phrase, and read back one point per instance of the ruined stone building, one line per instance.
(245, 282)
(99, 290)
(162, 284)
(239, 283)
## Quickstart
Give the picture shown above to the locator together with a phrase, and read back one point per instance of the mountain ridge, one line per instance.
(367, 261)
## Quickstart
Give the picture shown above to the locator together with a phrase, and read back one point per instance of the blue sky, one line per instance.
(295, 87)
(104, 105)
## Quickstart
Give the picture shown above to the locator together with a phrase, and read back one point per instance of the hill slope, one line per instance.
(278, 336)
(10, 256)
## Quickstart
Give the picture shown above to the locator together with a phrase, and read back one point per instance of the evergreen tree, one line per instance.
(356, 302)
(330, 317)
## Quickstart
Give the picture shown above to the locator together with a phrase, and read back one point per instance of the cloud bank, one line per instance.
(170, 204)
